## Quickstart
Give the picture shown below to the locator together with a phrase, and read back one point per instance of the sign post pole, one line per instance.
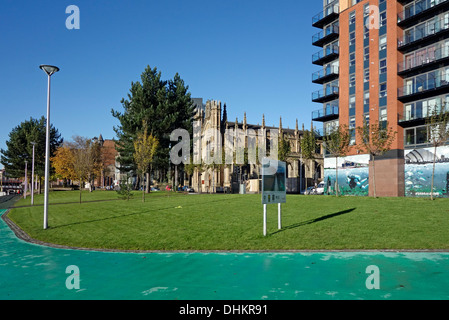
(264, 220)
(279, 217)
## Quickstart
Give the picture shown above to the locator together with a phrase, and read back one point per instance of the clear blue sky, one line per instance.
(254, 55)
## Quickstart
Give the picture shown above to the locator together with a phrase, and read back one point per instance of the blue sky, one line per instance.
(254, 55)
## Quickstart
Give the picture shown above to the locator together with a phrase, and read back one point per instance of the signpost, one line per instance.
(273, 188)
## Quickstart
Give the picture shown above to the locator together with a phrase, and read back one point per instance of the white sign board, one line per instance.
(273, 188)
(273, 181)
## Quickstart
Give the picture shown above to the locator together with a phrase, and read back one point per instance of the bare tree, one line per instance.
(86, 160)
(438, 124)
(145, 147)
(337, 143)
(308, 147)
(375, 139)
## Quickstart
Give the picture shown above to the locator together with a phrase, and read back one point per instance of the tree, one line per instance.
(284, 148)
(86, 160)
(145, 147)
(62, 162)
(336, 142)
(19, 147)
(308, 146)
(163, 105)
(125, 188)
(376, 140)
(438, 124)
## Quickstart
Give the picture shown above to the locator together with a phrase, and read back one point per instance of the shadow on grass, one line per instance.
(125, 215)
(304, 223)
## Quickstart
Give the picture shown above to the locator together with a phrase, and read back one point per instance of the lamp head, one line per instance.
(49, 70)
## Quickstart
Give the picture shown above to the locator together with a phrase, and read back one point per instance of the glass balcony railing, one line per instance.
(325, 93)
(329, 111)
(318, 19)
(417, 8)
(423, 31)
(326, 72)
(321, 132)
(323, 54)
(423, 83)
(418, 112)
(320, 37)
(423, 58)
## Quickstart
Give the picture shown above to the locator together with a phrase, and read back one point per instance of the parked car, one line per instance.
(320, 188)
(187, 189)
(309, 190)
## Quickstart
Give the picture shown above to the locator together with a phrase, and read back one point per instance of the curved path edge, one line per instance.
(21, 234)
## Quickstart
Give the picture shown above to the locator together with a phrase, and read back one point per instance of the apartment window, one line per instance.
(366, 75)
(352, 130)
(383, 90)
(351, 59)
(366, 54)
(351, 80)
(352, 38)
(383, 19)
(352, 18)
(421, 135)
(383, 114)
(367, 119)
(366, 99)
(352, 102)
(352, 105)
(382, 43)
(366, 33)
(366, 11)
(417, 135)
(383, 66)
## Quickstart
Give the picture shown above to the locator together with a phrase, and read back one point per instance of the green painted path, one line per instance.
(29, 271)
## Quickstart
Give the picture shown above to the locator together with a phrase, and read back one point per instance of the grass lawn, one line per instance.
(168, 221)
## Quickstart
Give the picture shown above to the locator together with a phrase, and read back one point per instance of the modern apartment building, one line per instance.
(384, 61)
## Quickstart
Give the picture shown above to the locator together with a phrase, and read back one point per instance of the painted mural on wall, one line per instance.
(418, 172)
(353, 173)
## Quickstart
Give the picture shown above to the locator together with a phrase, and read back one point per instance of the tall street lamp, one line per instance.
(26, 179)
(49, 70)
(32, 176)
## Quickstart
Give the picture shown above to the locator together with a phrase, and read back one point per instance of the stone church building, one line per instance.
(246, 178)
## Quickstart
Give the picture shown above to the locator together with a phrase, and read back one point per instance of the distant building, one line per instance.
(10, 185)
(300, 173)
(110, 175)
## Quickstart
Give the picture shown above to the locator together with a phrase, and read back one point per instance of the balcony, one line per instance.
(327, 114)
(326, 55)
(427, 59)
(423, 86)
(325, 17)
(327, 74)
(327, 35)
(325, 95)
(417, 115)
(419, 10)
(320, 133)
(422, 34)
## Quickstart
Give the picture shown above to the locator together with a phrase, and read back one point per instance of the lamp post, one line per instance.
(49, 70)
(32, 176)
(26, 180)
